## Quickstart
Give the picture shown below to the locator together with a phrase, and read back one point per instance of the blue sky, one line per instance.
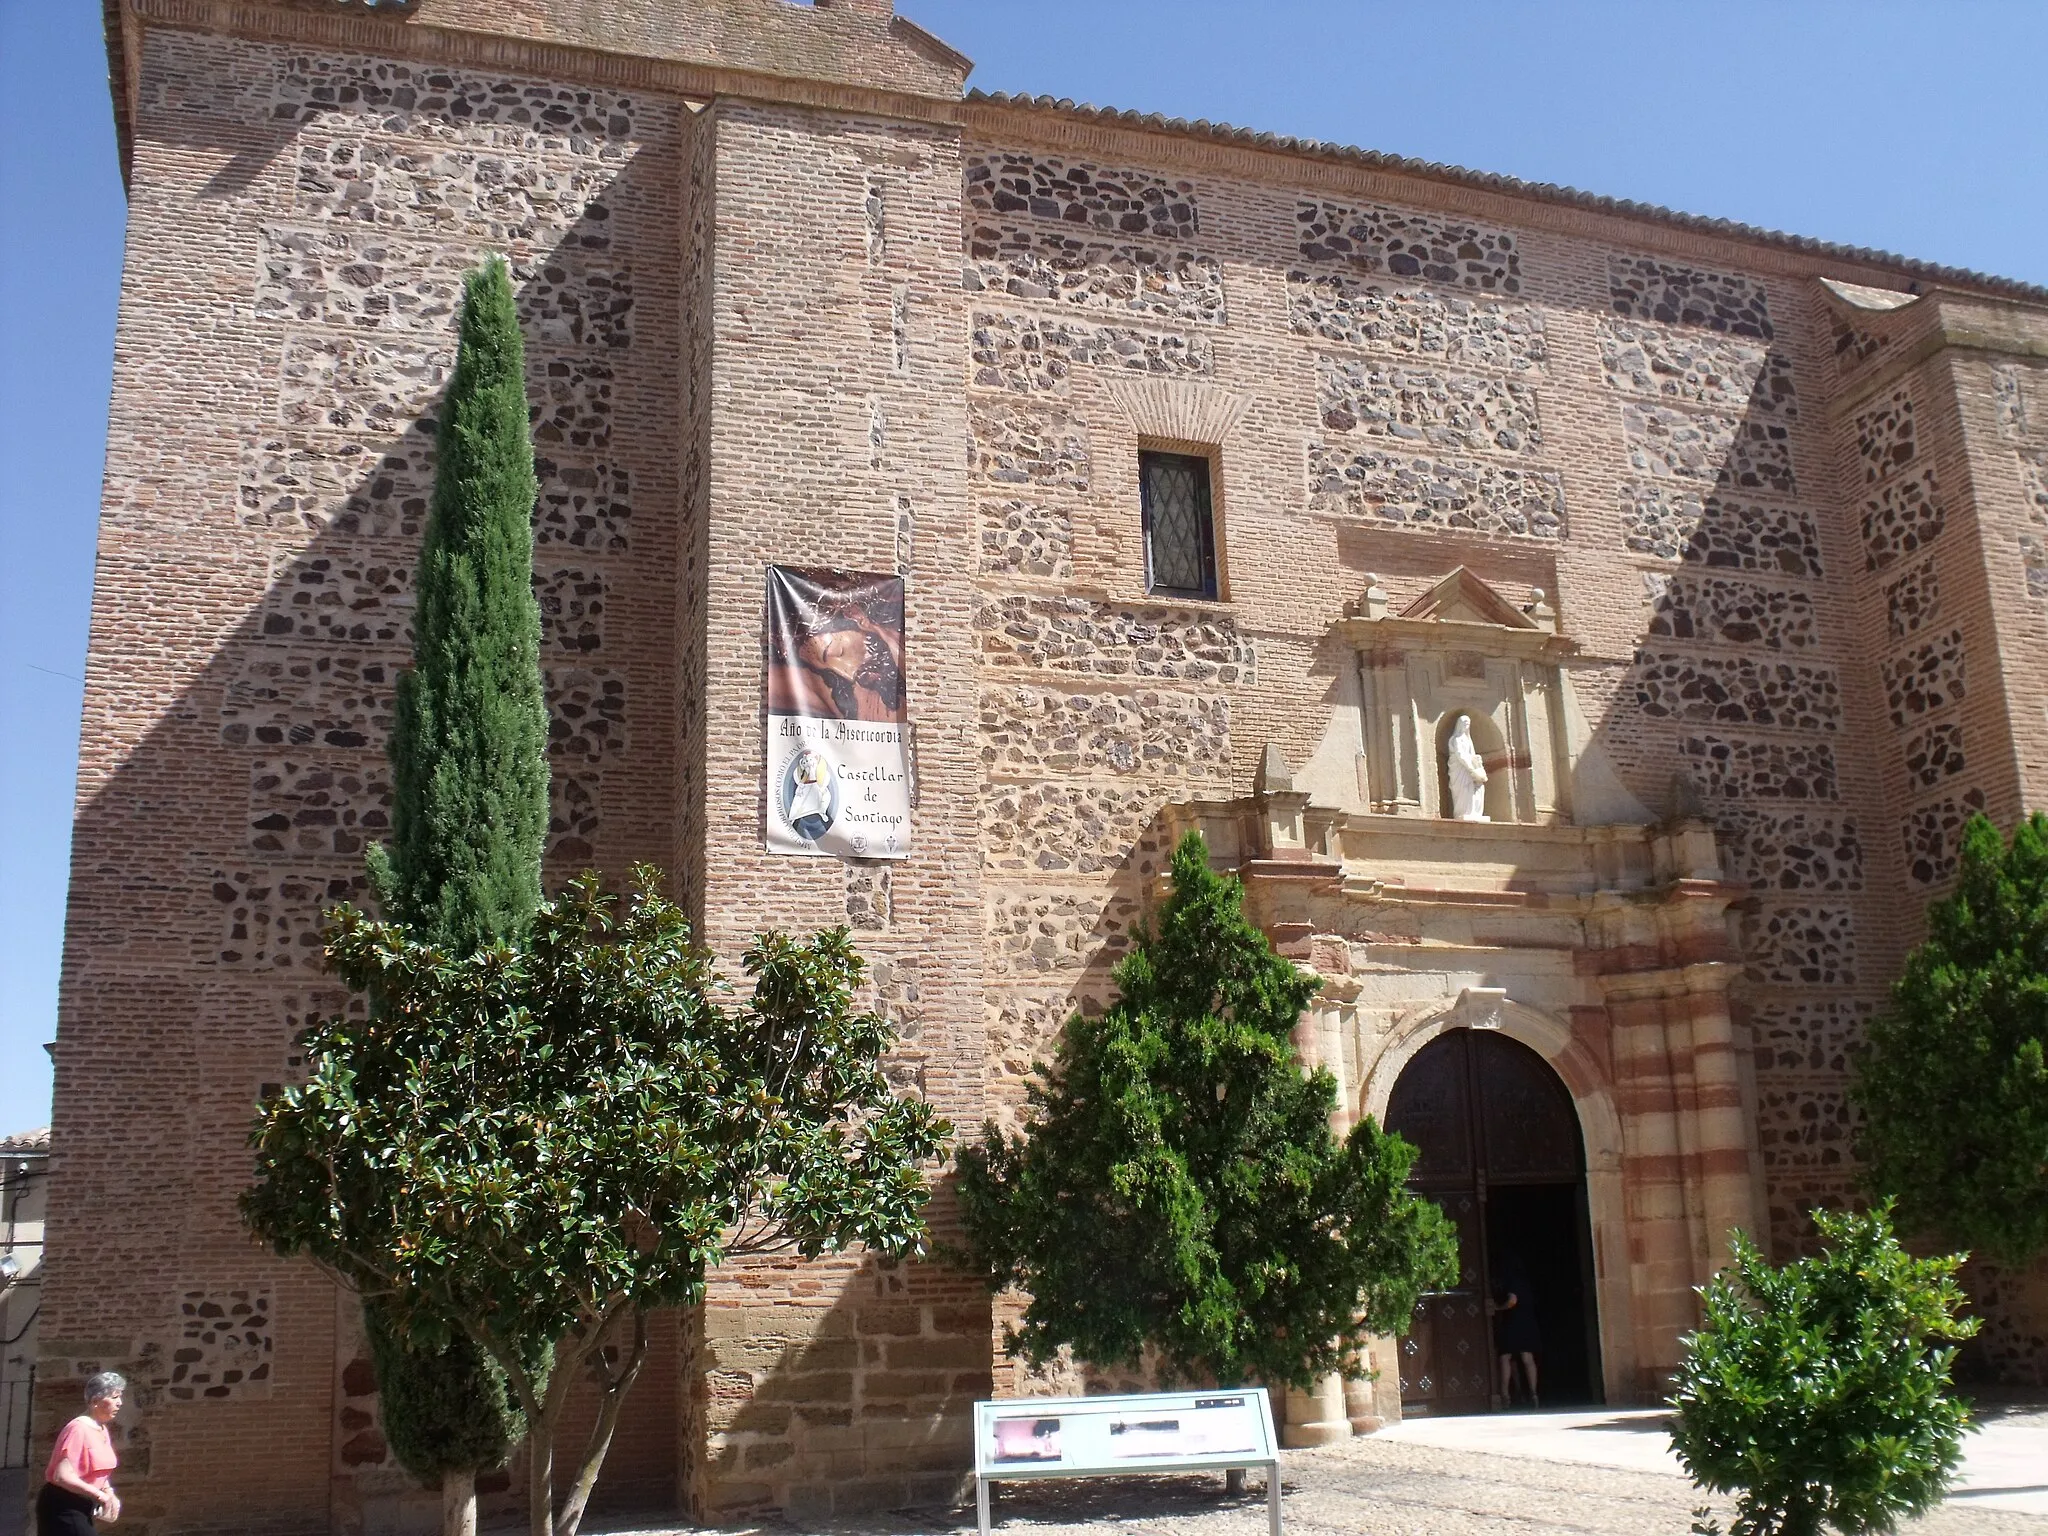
(1915, 128)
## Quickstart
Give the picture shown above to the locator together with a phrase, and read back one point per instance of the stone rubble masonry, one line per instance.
(1738, 690)
(1901, 518)
(1935, 754)
(1675, 523)
(1735, 453)
(1027, 353)
(1445, 327)
(1051, 187)
(1800, 945)
(1160, 282)
(1016, 444)
(1926, 679)
(1074, 635)
(2009, 402)
(1462, 413)
(788, 298)
(1772, 770)
(1450, 494)
(1884, 436)
(1685, 367)
(1407, 243)
(1913, 601)
(1726, 610)
(1792, 850)
(1645, 288)
(1932, 836)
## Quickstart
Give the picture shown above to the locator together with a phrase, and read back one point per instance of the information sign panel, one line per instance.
(1102, 1436)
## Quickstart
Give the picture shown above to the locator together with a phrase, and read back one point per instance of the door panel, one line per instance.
(1431, 1109)
(1445, 1357)
(1528, 1127)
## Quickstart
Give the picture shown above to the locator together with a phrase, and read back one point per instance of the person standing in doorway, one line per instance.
(1515, 1331)
(76, 1485)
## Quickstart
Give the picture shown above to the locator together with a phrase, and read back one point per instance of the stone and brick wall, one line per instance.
(833, 422)
(301, 220)
(788, 299)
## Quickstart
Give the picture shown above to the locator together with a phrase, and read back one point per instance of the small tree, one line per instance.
(1177, 1185)
(469, 816)
(536, 1145)
(1819, 1393)
(1954, 1082)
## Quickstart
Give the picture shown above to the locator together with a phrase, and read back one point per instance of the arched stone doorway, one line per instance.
(1503, 1154)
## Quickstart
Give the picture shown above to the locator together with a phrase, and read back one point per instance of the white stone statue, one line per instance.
(1467, 773)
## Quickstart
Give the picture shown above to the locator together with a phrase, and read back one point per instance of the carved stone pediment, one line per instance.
(1447, 616)
(1462, 598)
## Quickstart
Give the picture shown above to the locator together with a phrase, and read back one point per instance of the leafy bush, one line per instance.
(1819, 1392)
(1954, 1084)
(1178, 1185)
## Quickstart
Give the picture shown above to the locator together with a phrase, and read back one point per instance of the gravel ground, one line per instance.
(1370, 1487)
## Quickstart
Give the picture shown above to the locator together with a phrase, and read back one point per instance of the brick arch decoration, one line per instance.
(1599, 1126)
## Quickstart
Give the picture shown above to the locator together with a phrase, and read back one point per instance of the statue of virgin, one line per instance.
(1467, 773)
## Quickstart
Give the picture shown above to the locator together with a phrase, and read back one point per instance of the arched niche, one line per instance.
(1498, 797)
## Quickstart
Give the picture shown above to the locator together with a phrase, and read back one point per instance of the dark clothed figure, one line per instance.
(1516, 1333)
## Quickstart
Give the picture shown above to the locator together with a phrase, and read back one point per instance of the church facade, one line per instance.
(1585, 628)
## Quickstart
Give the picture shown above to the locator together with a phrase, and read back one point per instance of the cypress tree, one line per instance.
(469, 766)
(469, 744)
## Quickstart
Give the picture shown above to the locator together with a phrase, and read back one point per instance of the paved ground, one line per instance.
(2005, 1464)
(1608, 1474)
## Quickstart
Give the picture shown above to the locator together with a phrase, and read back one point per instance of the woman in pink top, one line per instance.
(76, 1489)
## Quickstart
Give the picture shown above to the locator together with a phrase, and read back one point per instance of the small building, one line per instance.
(24, 1198)
(1237, 482)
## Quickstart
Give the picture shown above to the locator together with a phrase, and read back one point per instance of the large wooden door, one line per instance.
(1487, 1115)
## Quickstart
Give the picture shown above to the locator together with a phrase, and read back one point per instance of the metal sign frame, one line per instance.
(1213, 1430)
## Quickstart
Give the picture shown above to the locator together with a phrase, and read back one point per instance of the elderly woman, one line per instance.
(75, 1484)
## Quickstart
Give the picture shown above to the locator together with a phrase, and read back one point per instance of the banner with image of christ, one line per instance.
(838, 762)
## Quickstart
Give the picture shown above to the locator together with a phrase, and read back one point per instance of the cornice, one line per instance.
(1393, 633)
(1948, 332)
(1276, 159)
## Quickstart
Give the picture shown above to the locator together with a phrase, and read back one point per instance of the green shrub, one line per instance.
(1178, 1187)
(1954, 1084)
(1819, 1393)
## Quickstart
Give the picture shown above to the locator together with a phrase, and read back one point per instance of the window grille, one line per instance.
(1180, 530)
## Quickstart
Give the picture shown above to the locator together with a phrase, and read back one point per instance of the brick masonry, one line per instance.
(842, 317)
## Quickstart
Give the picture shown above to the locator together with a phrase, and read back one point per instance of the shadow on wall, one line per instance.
(203, 855)
(1727, 711)
(863, 1403)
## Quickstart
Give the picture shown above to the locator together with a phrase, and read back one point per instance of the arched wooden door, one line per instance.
(1502, 1154)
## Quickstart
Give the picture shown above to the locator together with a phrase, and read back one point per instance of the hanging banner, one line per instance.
(838, 762)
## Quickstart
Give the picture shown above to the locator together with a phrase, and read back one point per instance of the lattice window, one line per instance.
(1180, 528)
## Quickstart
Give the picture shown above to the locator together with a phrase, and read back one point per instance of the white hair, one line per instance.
(104, 1384)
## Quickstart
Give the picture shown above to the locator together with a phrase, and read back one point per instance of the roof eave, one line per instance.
(1513, 186)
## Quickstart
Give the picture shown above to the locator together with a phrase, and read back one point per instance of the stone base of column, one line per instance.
(1318, 1418)
(1362, 1406)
